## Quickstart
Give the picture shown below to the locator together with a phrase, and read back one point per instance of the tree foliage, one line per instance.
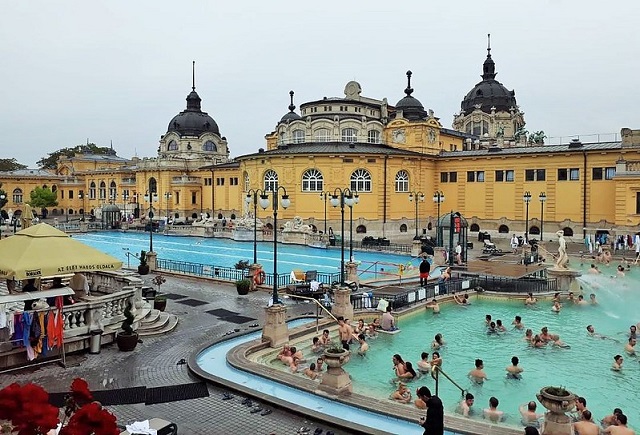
(43, 197)
(10, 165)
(51, 161)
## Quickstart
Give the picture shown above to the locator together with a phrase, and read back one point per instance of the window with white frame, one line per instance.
(373, 136)
(209, 146)
(322, 135)
(402, 181)
(92, 190)
(282, 138)
(113, 191)
(361, 180)
(271, 180)
(298, 136)
(349, 135)
(17, 195)
(312, 181)
(173, 146)
(102, 192)
(246, 182)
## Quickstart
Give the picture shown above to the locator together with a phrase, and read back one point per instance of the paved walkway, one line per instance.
(154, 363)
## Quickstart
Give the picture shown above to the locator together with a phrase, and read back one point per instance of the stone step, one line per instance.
(159, 323)
(152, 317)
(168, 327)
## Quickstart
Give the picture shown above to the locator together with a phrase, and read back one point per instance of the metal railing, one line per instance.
(435, 374)
(391, 247)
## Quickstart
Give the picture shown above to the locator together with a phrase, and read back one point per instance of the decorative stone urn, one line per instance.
(558, 401)
(336, 380)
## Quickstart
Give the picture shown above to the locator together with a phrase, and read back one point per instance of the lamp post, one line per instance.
(438, 198)
(167, 197)
(151, 197)
(253, 195)
(264, 203)
(356, 199)
(341, 197)
(81, 196)
(542, 197)
(125, 198)
(2, 198)
(324, 196)
(419, 197)
(527, 199)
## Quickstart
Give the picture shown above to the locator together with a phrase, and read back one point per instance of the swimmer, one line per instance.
(487, 319)
(621, 427)
(316, 346)
(594, 270)
(373, 327)
(402, 394)
(612, 419)
(500, 327)
(538, 342)
(632, 331)
(464, 300)
(630, 347)
(294, 364)
(617, 363)
(398, 365)
(514, 370)
(438, 342)
(359, 329)
(571, 298)
(556, 297)
(517, 323)
(465, 405)
(319, 364)
(424, 366)
(311, 372)
(434, 305)
(547, 337)
(478, 375)
(556, 307)
(592, 299)
(324, 338)
(620, 272)
(492, 328)
(528, 336)
(530, 300)
(436, 360)
(364, 346)
(492, 412)
(581, 300)
(529, 415)
(410, 374)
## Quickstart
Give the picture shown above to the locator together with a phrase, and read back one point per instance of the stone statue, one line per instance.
(297, 225)
(563, 258)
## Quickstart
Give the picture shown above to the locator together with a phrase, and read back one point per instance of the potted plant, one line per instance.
(243, 286)
(143, 268)
(127, 339)
(557, 399)
(160, 300)
(336, 356)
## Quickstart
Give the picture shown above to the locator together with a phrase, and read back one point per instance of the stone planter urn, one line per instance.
(336, 380)
(558, 402)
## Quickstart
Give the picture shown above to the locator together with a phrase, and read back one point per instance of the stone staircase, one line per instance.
(157, 323)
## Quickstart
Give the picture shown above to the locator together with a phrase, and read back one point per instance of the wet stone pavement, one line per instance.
(154, 363)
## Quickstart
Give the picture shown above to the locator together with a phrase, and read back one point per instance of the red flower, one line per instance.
(28, 409)
(91, 419)
(80, 391)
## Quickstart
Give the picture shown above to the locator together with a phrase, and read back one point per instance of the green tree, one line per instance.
(43, 197)
(51, 161)
(10, 165)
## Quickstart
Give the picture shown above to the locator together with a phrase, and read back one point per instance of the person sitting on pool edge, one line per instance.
(311, 372)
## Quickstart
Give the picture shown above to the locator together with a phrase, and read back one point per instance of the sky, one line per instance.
(118, 71)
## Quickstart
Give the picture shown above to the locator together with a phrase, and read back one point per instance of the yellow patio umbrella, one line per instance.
(41, 251)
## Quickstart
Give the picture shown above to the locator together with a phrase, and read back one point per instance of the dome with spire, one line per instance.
(193, 121)
(489, 93)
(291, 115)
(412, 108)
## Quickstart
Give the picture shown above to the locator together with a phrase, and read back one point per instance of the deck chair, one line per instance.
(297, 276)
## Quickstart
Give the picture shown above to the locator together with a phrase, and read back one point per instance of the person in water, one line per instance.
(478, 375)
(514, 370)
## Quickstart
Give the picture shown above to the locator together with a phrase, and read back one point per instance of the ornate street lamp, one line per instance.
(419, 197)
(438, 198)
(167, 197)
(151, 197)
(340, 197)
(285, 203)
(527, 199)
(2, 198)
(324, 196)
(542, 197)
(253, 194)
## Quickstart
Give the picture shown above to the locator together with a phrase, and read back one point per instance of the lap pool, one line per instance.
(226, 253)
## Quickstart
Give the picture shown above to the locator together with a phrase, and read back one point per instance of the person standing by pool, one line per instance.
(514, 244)
(513, 371)
(465, 405)
(478, 375)
(388, 323)
(433, 424)
(345, 331)
(425, 268)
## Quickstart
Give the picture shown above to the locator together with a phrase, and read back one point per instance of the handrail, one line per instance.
(322, 307)
(434, 374)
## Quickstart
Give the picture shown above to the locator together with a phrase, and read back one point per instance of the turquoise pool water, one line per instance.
(226, 252)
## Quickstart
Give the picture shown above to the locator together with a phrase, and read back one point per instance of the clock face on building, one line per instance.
(398, 136)
(431, 136)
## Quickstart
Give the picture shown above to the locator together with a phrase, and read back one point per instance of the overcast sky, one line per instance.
(120, 70)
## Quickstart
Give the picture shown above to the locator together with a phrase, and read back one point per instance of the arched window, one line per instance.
(113, 192)
(298, 136)
(361, 180)
(503, 229)
(429, 226)
(567, 231)
(361, 229)
(173, 146)
(17, 195)
(102, 192)
(44, 186)
(70, 211)
(312, 181)
(281, 138)
(219, 215)
(349, 135)
(373, 136)
(54, 188)
(233, 216)
(474, 228)
(246, 182)
(153, 185)
(402, 181)
(403, 228)
(209, 146)
(92, 190)
(322, 135)
(534, 230)
(54, 212)
(271, 180)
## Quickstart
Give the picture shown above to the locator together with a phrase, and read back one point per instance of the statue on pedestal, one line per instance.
(563, 258)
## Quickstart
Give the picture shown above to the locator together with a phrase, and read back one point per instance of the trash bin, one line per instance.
(95, 342)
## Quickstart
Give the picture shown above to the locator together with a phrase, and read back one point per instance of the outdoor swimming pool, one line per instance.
(584, 368)
(226, 252)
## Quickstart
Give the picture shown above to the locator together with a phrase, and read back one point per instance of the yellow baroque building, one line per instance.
(483, 168)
